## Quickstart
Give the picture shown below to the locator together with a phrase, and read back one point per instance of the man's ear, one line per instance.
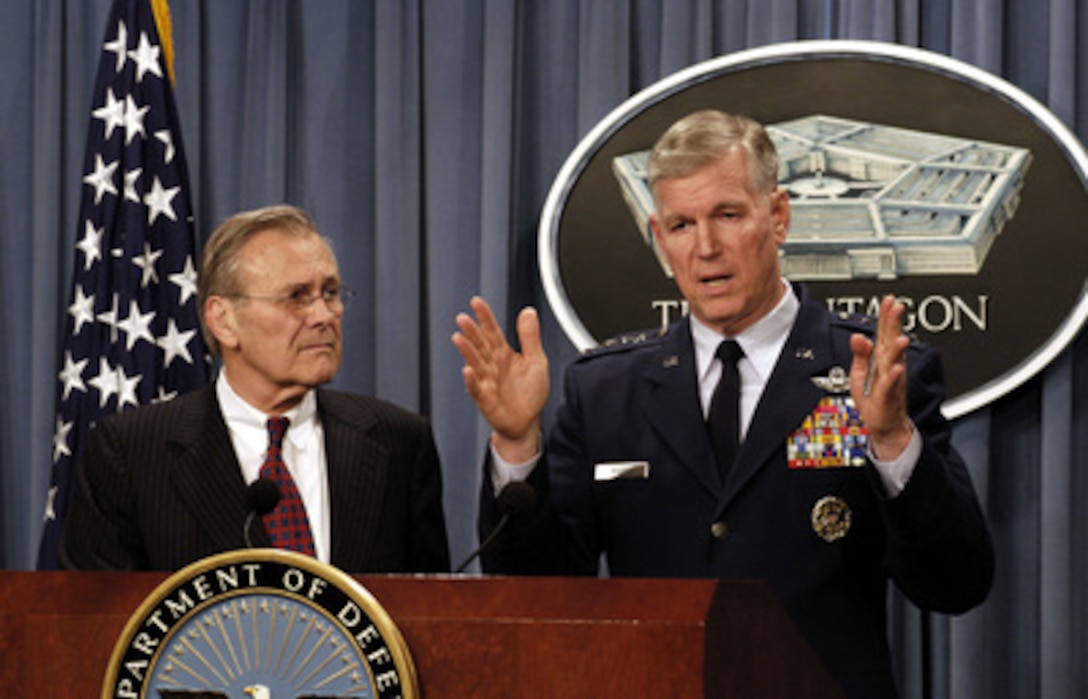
(780, 214)
(655, 226)
(222, 321)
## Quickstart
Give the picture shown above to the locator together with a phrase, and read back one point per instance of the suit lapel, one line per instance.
(357, 471)
(206, 474)
(207, 477)
(673, 409)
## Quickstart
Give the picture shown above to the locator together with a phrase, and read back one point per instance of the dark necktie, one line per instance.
(723, 419)
(288, 526)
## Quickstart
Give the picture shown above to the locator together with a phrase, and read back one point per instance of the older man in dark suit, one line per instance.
(830, 473)
(360, 487)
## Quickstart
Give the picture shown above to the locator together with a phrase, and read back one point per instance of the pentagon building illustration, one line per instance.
(875, 202)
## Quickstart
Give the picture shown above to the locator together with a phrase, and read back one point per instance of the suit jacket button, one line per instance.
(719, 530)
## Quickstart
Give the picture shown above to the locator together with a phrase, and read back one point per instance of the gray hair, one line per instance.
(702, 137)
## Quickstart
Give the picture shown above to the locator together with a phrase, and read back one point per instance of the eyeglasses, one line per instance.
(301, 301)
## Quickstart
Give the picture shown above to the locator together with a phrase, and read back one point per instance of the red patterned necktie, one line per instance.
(287, 525)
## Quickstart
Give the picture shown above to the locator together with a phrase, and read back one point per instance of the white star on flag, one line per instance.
(158, 202)
(185, 280)
(112, 113)
(126, 388)
(134, 120)
(175, 344)
(137, 326)
(146, 57)
(71, 376)
(168, 145)
(90, 245)
(109, 318)
(51, 497)
(119, 47)
(101, 179)
(164, 395)
(105, 381)
(81, 310)
(60, 440)
(131, 178)
(146, 262)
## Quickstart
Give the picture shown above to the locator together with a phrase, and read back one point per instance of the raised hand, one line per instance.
(510, 388)
(878, 381)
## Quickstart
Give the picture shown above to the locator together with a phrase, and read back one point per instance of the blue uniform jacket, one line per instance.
(637, 400)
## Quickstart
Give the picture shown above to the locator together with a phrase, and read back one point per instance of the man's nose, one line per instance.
(706, 239)
(323, 310)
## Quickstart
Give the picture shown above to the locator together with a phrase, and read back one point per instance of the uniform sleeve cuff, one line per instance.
(895, 473)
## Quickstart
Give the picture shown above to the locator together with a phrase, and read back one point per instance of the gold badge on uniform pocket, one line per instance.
(831, 518)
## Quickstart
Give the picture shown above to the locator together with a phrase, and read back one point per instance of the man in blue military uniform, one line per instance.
(841, 474)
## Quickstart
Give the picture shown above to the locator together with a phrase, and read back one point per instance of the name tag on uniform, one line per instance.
(618, 470)
(832, 436)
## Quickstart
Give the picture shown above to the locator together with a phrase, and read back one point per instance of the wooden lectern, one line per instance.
(468, 636)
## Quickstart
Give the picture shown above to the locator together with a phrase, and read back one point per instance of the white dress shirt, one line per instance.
(762, 343)
(303, 452)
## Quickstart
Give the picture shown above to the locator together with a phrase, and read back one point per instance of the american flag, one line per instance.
(131, 330)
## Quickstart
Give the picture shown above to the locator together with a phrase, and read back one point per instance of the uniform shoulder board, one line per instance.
(855, 322)
(626, 341)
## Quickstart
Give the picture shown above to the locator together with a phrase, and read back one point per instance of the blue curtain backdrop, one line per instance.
(423, 135)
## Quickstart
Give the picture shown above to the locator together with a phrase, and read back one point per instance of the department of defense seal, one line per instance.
(831, 518)
(260, 623)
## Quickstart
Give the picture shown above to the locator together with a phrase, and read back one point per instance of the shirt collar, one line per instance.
(240, 415)
(762, 342)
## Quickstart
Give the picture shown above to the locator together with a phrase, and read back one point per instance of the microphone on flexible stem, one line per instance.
(515, 497)
(262, 496)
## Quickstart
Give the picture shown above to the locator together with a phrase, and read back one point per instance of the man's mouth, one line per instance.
(319, 346)
(716, 281)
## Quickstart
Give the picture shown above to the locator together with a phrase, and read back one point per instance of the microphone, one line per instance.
(262, 496)
(515, 497)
